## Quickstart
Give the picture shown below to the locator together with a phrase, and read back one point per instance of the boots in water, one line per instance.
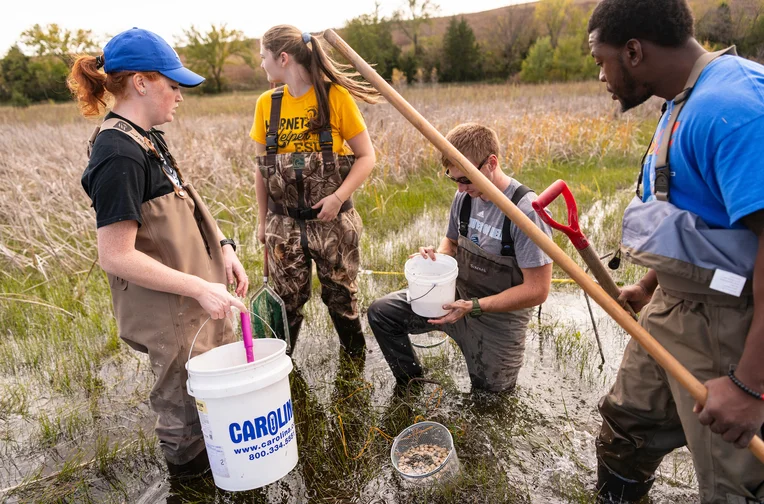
(196, 467)
(350, 333)
(294, 331)
(613, 488)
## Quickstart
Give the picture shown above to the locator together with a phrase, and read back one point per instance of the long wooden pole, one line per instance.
(660, 354)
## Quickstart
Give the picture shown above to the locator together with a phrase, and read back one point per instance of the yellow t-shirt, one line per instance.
(345, 119)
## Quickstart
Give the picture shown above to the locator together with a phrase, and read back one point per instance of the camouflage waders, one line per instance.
(294, 236)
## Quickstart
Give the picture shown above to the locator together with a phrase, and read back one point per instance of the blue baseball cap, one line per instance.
(139, 50)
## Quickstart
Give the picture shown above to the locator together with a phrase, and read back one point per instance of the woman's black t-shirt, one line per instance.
(121, 175)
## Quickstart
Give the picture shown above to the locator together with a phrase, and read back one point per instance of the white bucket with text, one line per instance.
(246, 413)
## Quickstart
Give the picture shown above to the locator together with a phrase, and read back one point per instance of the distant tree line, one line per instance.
(35, 69)
(41, 76)
(546, 43)
(721, 23)
(543, 43)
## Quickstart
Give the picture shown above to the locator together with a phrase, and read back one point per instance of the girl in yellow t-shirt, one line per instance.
(306, 176)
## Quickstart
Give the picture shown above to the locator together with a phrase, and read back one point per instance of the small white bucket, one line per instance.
(431, 284)
(246, 413)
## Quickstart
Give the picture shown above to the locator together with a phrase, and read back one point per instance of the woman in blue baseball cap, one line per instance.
(166, 259)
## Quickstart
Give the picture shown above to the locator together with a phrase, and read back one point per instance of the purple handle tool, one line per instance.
(246, 332)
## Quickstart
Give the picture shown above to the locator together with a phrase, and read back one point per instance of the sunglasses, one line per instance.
(465, 180)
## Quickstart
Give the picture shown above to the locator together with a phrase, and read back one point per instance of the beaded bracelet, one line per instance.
(743, 386)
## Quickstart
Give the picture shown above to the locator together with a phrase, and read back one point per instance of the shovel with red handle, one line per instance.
(576, 236)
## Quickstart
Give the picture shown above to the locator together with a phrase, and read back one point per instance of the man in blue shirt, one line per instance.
(698, 225)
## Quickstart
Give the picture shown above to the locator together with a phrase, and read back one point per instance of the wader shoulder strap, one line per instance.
(507, 243)
(146, 144)
(325, 136)
(464, 215)
(272, 136)
(120, 125)
(92, 139)
(662, 170)
(302, 212)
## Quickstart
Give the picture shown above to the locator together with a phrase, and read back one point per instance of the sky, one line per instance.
(168, 18)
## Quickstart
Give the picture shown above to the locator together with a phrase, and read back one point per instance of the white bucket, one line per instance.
(431, 284)
(246, 413)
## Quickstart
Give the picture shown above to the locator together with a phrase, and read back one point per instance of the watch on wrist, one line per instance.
(476, 311)
(228, 241)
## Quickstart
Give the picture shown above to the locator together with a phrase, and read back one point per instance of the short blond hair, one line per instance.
(474, 140)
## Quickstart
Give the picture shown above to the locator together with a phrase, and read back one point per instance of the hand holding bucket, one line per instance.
(432, 284)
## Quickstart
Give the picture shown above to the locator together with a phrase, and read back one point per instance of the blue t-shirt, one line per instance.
(716, 154)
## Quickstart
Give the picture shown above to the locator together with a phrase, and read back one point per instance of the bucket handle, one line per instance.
(408, 293)
(190, 350)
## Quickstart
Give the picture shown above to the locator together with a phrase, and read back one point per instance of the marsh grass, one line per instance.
(74, 420)
(572, 348)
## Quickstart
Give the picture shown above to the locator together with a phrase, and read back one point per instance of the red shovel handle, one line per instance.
(573, 230)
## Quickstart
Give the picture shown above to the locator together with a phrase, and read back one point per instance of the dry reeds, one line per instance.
(46, 222)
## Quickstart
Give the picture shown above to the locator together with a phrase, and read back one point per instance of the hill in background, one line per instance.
(488, 26)
(484, 23)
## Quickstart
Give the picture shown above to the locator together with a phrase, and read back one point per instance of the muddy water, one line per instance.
(558, 395)
(566, 392)
(541, 436)
(538, 441)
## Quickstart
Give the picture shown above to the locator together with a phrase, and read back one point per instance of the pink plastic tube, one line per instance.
(246, 332)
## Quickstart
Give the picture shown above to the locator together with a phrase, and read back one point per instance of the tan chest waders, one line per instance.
(684, 251)
(178, 231)
(647, 414)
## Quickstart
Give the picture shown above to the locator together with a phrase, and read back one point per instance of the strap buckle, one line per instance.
(327, 143)
(662, 183)
(325, 139)
(271, 143)
(302, 213)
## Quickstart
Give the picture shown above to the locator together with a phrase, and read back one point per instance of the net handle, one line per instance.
(265, 266)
